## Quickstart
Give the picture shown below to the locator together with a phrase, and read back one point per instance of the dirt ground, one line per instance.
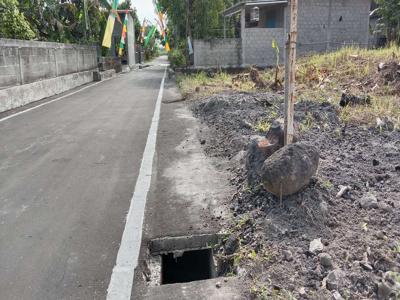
(268, 242)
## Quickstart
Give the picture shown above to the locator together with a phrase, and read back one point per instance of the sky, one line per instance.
(145, 9)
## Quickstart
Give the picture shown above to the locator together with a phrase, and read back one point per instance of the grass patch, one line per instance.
(321, 77)
(201, 84)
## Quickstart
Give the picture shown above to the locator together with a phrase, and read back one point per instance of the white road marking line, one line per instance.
(120, 286)
(51, 101)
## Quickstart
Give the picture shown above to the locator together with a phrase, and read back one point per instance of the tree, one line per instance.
(207, 22)
(64, 21)
(389, 10)
(204, 21)
(13, 23)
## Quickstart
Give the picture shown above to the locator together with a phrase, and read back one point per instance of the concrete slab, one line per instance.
(172, 93)
(229, 289)
(21, 95)
(187, 194)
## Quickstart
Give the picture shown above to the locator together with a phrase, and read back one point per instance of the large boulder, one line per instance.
(290, 169)
(262, 147)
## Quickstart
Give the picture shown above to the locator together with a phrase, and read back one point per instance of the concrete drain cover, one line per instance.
(187, 266)
(181, 259)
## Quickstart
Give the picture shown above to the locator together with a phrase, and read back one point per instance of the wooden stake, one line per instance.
(290, 74)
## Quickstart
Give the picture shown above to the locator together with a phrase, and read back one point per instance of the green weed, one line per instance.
(262, 126)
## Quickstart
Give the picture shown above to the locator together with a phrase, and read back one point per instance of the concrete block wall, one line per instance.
(325, 25)
(217, 53)
(9, 66)
(23, 62)
(350, 22)
(257, 46)
(20, 95)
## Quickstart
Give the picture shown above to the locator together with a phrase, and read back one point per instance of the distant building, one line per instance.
(323, 25)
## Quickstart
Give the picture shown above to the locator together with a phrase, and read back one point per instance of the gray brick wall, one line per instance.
(325, 25)
(41, 60)
(257, 44)
(9, 66)
(217, 53)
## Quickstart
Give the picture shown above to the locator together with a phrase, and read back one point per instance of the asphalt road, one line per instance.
(67, 174)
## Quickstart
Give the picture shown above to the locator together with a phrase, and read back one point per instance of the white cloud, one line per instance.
(145, 9)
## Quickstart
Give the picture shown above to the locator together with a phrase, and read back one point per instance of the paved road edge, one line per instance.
(121, 282)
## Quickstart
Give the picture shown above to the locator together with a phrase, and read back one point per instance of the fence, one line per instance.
(217, 53)
(23, 62)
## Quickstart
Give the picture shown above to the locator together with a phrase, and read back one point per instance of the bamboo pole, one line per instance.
(290, 74)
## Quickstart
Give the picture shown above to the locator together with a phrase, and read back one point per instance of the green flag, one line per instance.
(149, 35)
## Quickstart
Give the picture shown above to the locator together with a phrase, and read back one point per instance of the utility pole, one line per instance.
(290, 74)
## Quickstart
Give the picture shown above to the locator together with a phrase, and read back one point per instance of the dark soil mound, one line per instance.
(364, 243)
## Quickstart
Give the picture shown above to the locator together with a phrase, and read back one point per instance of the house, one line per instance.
(323, 25)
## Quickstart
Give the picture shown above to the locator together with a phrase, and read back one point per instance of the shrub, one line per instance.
(13, 23)
(177, 58)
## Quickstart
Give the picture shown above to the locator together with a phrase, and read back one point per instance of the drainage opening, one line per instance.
(187, 266)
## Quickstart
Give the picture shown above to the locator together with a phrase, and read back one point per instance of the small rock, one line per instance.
(343, 189)
(231, 245)
(274, 229)
(258, 151)
(302, 291)
(240, 157)
(380, 235)
(334, 280)
(288, 255)
(246, 124)
(336, 295)
(290, 169)
(384, 123)
(323, 207)
(382, 66)
(218, 285)
(375, 162)
(384, 291)
(368, 201)
(366, 266)
(326, 260)
(351, 100)
(316, 246)
(385, 207)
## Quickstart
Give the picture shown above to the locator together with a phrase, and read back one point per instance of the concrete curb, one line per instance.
(21, 95)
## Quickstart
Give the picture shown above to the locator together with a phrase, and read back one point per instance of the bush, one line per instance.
(177, 58)
(151, 52)
(13, 23)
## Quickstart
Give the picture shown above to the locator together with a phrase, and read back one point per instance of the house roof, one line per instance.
(238, 6)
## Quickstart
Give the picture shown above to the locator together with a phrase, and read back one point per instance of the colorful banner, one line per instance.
(152, 31)
(110, 25)
(123, 35)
